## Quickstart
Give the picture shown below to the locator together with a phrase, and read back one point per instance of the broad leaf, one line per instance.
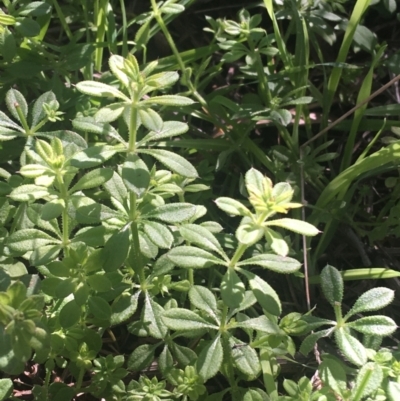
(70, 314)
(332, 285)
(169, 130)
(158, 234)
(14, 100)
(99, 308)
(93, 88)
(92, 156)
(172, 212)
(151, 119)
(153, 318)
(191, 257)
(265, 294)
(232, 289)
(297, 226)
(246, 360)
(141, 357)
(92, 179)
(333, 375)
(351, 347)
(173, 161)
(275, 263)
(135, 175)
(116, 249)
(308, 343)
(374, 299)
(124, 307)
(28, 240)
(184, 319)
(374, 325)
(261, 323)
(29, 192)
(203, 299)
(201, 237)
(210, 359)
(168, 100)
(232, 207)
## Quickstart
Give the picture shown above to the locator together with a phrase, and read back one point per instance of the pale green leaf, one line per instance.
(173, 161)
(353, 350)
(203, 299)
(279, 264)
(232, 207)
(332, 284)
(184, 319)
(92, 179)
(158, 234)
(297, 226)
(210, 359)
(191, 257)
(93, 88)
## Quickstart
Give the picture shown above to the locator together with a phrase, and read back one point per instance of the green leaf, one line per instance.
(168, 100)
(393, 391)
(249, 233)
(261, 323)
(246, 360)
(136, 175)
(27, 27)
(232, 207)
(333, 375)
(332, 285)
(111, 112)
(92, 156)
(158, 234)
(172, 212)
(124, 307)
(14, 100)
(297, 226)
(141, 357)
(99, 282)
(89, 124)
(45, 254)
(374, 325)
(256, 394)
(353, 350)
(276, 242)
(368, 380)
(6, 389)
(254, 179)
(92, 179)
(168, 130)
(52, 210)
(308, 343)
(184, 355)
(151, 119)
(162, 79)
(93, 88)
(210, 359)
(116, 64)
(99, 307)
(265, 294)
(70, 314)
(279, 264)
(232, 289)
(202, 298)
(29, 192)
(116, 249)
(173, 161)
(183, 319)
(153, 318)
(116, 188)
(202, 237)
(372, 300)
(191, 257)
(38, 112)
(29, 239)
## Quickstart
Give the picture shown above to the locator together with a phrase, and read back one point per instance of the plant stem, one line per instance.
(268, 374)
(238, 254)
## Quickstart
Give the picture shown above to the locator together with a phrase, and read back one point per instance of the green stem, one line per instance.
(39, 125)
(80, 379)
(132, 127)
(268, 374)
(100, 23)
(64, 215)
(170, 40)
(62, 20)
(124, 29)
(22, 119)
(338, 314)
(238, 254)
(262, 76)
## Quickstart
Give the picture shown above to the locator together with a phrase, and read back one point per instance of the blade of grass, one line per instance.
(355, 18)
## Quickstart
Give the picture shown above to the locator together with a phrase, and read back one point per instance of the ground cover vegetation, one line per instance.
(199, 200)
